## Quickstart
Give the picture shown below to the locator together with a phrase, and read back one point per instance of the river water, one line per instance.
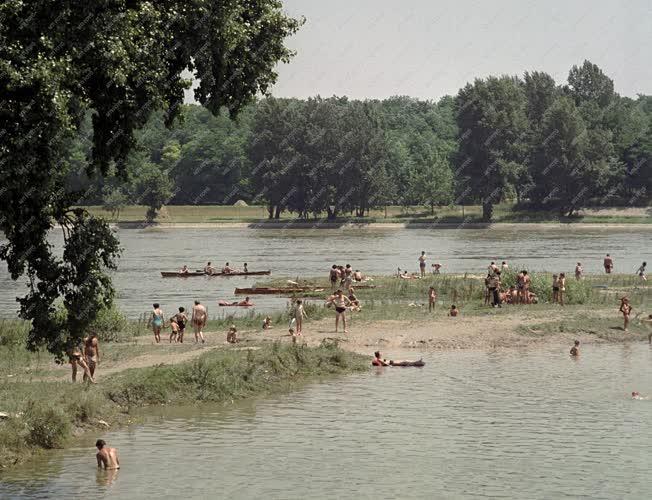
(509, 424)
(303, 253)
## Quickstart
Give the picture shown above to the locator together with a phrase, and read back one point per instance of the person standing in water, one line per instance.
(575, 350)
(608, 264)
(199, 318)
(641, 271)
(156, 321)
(626, 309)
(341, 303)
(107, 458)
(422, 264)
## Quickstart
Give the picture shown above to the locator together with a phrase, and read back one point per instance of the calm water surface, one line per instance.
(304, 253)
(508, 424)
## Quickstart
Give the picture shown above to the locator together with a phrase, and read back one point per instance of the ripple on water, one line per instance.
(509, 424)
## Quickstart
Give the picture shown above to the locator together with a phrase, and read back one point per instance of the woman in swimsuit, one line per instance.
(422, 264)
(156, 321)
(341, 303)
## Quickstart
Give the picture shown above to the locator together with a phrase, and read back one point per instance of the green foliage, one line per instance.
(112, 326)
(491, 119)
(47, 426)
(113, 64)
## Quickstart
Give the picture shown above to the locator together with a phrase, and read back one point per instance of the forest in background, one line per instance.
(544, 145)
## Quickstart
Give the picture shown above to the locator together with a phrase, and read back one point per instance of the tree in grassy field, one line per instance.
(571, 163)
(120, 61)
(491, 121)
(114, 202)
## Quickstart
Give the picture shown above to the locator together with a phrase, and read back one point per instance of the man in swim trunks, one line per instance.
(494, 289)
(492, 268)
(575, 350)
(608, 264)
(357, 275)
(107, 458)
(92, 354)
(504, 266)
(378, 360)
(422, 264)
(199, 318)
(341, 303)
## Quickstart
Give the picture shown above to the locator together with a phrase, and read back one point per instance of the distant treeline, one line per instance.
(544, 145)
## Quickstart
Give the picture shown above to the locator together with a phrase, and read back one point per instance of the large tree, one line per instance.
(120, 59)
(491, 120)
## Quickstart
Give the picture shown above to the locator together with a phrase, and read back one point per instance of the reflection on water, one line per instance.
(294, 253)
(516, 424)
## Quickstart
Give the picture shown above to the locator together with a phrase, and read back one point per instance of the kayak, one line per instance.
(190, 274)
(419, 363)
(275, 291)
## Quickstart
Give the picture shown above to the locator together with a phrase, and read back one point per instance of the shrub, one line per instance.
(47, 426)
(13, 333)
(112, 326)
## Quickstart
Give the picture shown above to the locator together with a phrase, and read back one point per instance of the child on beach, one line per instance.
(432, 299)
(626, 309)
(267, 323)
(299, 314)
(232, 336)
(454, 311)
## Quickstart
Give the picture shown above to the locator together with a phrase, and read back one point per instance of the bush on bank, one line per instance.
(44, 415)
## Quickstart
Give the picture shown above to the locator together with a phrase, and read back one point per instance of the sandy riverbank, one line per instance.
(382, 225)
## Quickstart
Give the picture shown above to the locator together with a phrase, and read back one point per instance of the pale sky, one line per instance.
(426, 49)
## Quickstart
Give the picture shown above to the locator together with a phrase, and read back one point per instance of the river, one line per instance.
(470, 424)
(304, 253)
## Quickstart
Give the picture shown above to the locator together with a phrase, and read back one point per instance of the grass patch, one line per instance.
(45, 415)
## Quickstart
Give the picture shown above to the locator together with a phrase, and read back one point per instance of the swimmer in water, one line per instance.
(378, 360)
(637, 395)
(575, 350)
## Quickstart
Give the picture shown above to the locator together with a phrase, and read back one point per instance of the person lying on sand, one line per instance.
(107, 458)
(575, 350)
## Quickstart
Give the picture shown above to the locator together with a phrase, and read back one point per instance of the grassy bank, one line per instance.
(46, 415)
(506, 213)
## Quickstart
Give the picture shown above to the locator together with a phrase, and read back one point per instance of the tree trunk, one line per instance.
(487, 211)
(270, 211)
(277, 213)
(432, 209)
